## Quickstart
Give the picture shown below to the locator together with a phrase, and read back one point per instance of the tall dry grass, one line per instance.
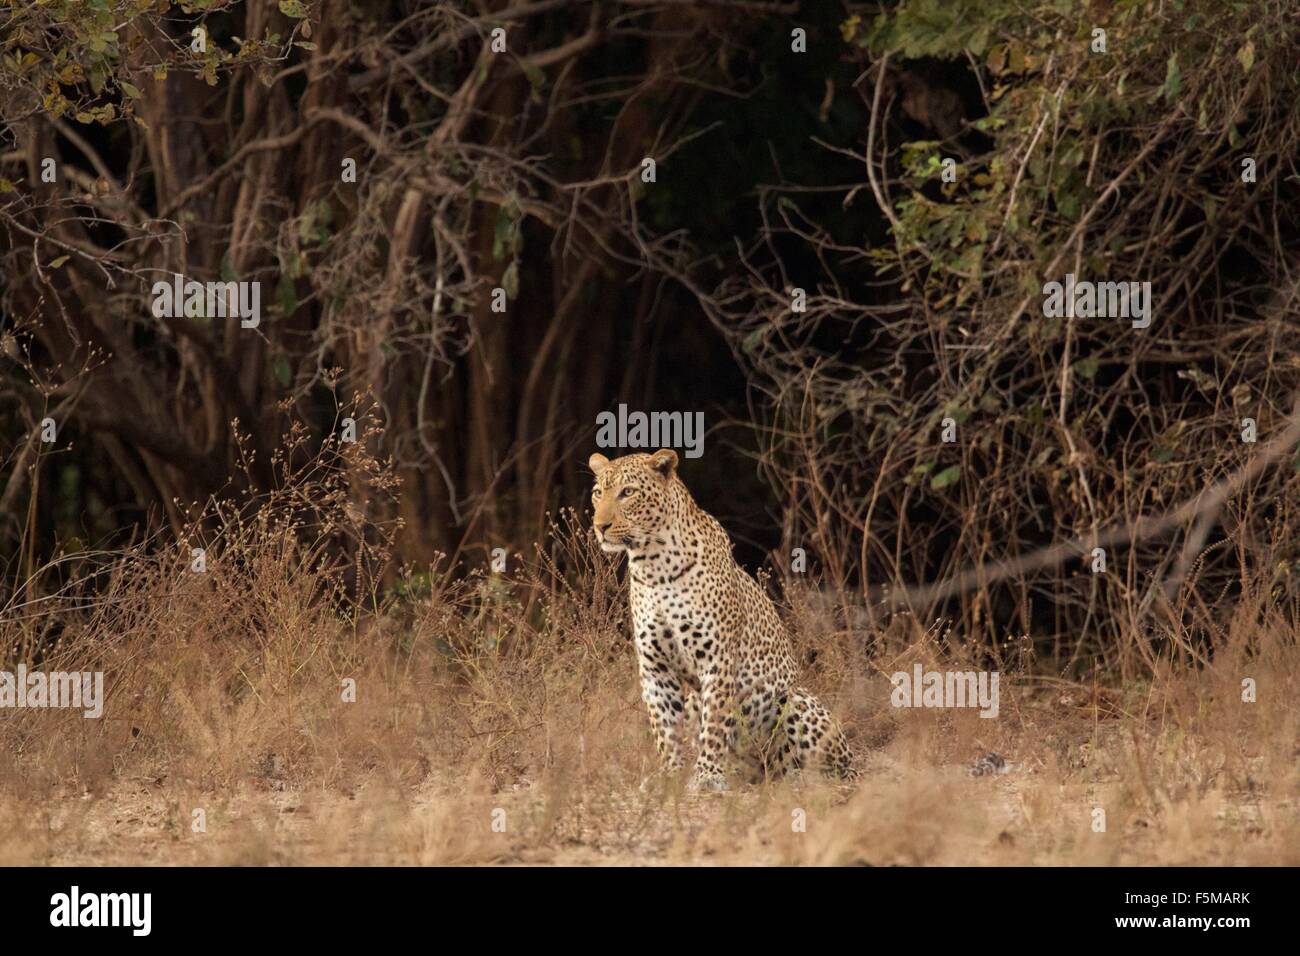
(497, 718)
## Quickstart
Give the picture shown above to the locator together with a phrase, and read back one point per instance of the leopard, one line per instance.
(711, 648)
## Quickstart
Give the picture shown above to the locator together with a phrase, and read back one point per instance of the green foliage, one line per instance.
(1119, 142)
(74, 57)
(945, 478)
(1049, 90)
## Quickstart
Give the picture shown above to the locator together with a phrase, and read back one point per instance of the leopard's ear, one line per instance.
(597, 463)
(664, 461)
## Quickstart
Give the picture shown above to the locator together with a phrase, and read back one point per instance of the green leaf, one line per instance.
(510, 280)
(130, 89)
(287, 295)
(280, 369)
(1086, 368)
(314, 225)
(503, 235)
(293, 8)
(534, 73)
(1173, 84)
(1246, 55)
(945, 477)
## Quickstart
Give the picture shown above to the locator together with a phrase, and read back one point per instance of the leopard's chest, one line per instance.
(670, 623)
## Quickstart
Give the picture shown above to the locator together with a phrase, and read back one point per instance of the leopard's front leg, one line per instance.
(717, 719)
(664, 697)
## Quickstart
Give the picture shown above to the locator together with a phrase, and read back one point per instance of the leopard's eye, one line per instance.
(627, 492)
(595, 492)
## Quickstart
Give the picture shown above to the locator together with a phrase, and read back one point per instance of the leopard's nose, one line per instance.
(602, 528)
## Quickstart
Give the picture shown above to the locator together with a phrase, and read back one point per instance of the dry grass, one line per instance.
(498, 720)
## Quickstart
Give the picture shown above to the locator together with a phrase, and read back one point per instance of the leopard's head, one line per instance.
(636, 499)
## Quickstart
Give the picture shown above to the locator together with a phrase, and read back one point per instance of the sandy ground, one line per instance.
(897, 813)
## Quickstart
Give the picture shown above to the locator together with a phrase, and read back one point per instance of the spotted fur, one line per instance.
(707, 637)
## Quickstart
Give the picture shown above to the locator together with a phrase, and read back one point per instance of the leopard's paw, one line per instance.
(705, 781)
